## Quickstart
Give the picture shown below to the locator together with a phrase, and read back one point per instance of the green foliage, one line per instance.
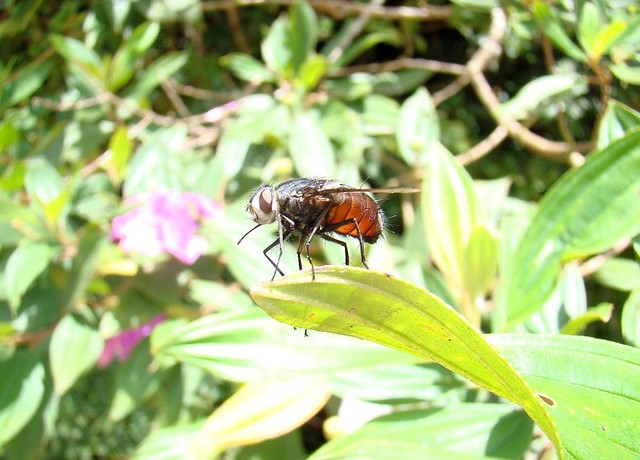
(159, 341)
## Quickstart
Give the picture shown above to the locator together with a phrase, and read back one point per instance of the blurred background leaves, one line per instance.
(518, 121)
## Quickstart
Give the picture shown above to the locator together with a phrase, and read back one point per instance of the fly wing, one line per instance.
(346, 189)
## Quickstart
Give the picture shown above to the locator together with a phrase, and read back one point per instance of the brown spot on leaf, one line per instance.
(549, 401)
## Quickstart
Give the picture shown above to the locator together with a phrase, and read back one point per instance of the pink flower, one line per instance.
(164, 221)
(121, 345)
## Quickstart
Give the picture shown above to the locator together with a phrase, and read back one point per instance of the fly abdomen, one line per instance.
(361, 208)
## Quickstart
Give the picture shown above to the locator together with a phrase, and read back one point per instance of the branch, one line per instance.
(340, 9)
(354, 29)
(484, 147)
(491, 48)
(400, 64)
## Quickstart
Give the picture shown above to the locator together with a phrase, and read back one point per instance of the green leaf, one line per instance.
(156, 158)
(310, 148)
(75, 348)
(312, 70)
(484, 6)
(589, 25)
(591, 387)
(24, 265)
(160, 70)
(480, 262)
(92, 240)
(631, 319)
(258, 411)
(123, 65)
(578, 324)
(21, 391)
(616, 121)
(275, 50)
(121, 148)
(549, 22)
(27, 82)
(75, 51)
(246, 345)
(541, 92)
(135, 382)
(376, 307)
(607, 37)
(459, 431)
(626, 73)
(84, 64)
(389, 382)
(417, 128)
(42, 181)
(587, 211)
(167, 443)
(303, 34)
(451, 213)
(389, 35)
(618, 273)
(247, 68)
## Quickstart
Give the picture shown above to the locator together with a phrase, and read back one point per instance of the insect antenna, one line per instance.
(243, 236)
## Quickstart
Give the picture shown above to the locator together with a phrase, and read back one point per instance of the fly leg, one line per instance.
(305, 241)
(278, 242)
(333, 227)
(341, 243)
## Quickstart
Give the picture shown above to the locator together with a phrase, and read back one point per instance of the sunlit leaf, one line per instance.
(135, 382)
(310, 148)
(379, 308)
(587, 211)
(616, 121)
(167, 443)
(75, 348)
(121, 148)
(92, 240)
(246, 345)
(578, 324)
(258, 411)
(541, 92)
(589, 25)
(591, 388)
(631, 319)
(417, 128)
(21, 390)
(247, 68)
(460, 431)
(618, 273)
(24, 265)
(451, 212)
(626, 73)
(160, 70)
(549, 22)
(303, 34)
(275, 52)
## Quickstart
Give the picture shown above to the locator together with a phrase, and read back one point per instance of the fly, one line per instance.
(310, 207)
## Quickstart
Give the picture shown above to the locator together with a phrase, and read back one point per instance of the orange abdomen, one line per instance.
(363, 209)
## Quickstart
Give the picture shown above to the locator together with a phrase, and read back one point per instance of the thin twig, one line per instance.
(483, 147)
(341, 9)
(450, 90)
(596, 262)
(400, 64)
(68, 106)
(233, 19)
(175, 98)
(491, 48)
(354, 29)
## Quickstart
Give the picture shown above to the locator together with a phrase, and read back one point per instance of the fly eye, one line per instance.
(262, 206)
(265, 201)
